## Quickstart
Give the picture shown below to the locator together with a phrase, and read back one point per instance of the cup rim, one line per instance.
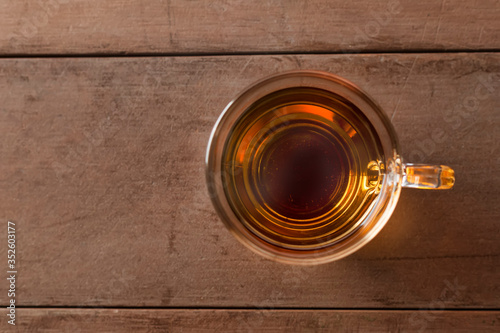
(385, 202)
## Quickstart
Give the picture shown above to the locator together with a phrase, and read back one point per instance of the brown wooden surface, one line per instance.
(112, 320)
(102, 164)
(103, 172)
(178, 26)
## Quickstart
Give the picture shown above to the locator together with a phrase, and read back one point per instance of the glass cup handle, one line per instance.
(425, 176)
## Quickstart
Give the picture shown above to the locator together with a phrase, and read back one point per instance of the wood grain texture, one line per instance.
(178, 26)
(102, 169)
(122, 320)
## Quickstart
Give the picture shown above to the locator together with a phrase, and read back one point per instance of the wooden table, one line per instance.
(106, 109)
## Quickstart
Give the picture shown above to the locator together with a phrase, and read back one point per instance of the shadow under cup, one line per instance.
(303, 167)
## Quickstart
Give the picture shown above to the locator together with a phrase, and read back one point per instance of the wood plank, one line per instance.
(136, 320)
(178, 26)
(102, 169)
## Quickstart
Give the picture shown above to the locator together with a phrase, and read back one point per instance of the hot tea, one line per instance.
(301, 167)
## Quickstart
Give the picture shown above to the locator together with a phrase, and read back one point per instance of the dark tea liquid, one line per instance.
(301, 168)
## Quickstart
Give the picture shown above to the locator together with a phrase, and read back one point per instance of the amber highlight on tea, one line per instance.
(301, 168)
